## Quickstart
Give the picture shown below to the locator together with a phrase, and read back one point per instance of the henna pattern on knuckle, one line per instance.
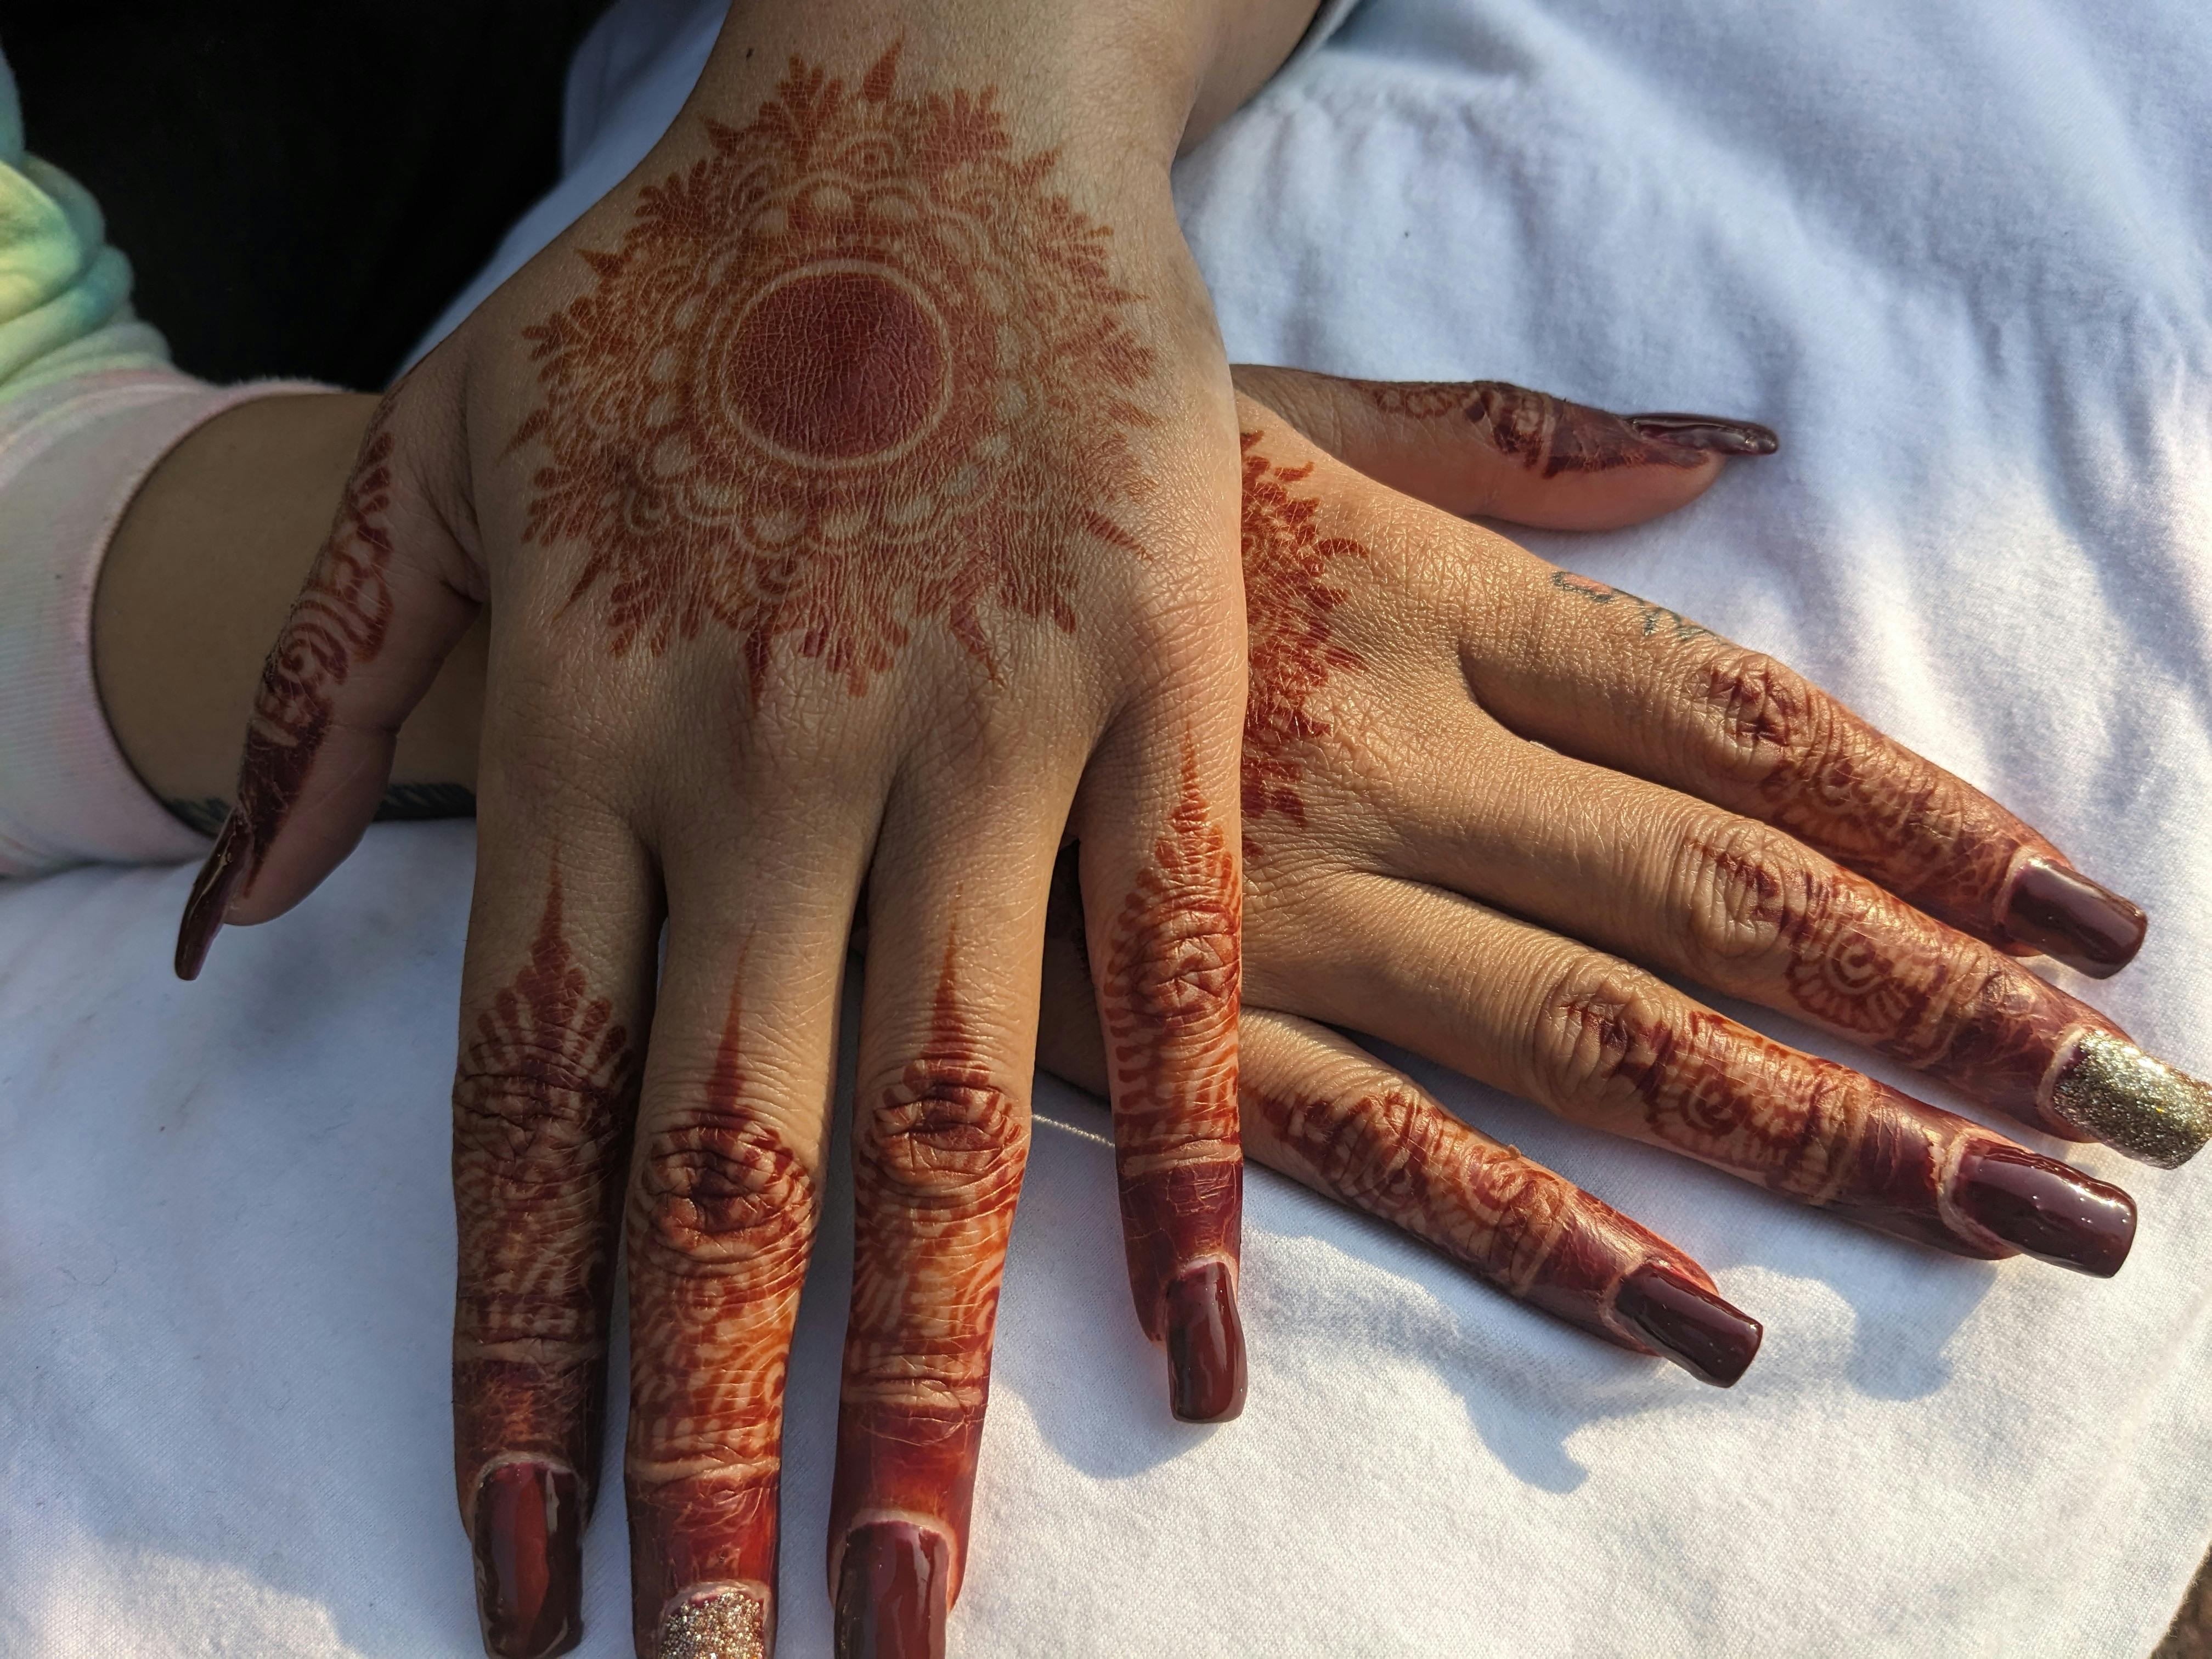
(1290, 602)
(544, 1097)
(857, 370)
(937, 1170)
(1169, 986)
(720, 1227)
(1548, 435)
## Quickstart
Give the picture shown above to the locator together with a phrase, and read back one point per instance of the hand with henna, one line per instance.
(852, 492)
(1485, 798)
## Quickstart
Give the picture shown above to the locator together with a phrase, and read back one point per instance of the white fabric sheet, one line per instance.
(1959, 257)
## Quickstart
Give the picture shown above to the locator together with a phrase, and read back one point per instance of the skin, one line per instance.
(1388, 855)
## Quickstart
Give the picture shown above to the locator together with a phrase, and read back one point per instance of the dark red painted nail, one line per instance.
(1206, 1346)
(1706, 432)
(529, 1537)
(1713, 1341)
(2064, 914)
(891, 1588)
(2052, 1211)
(212, 892)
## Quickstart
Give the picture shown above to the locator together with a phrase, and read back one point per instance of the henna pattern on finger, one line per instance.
(1818, 1132)
(336, 625)
(1168, 987)
(858, 368)
(938, 1159)
(1547, 434)
(722, 1221)
(544, 1097)
(1290, 602)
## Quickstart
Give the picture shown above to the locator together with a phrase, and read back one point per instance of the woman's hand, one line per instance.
(1477, 788)
(854, 492)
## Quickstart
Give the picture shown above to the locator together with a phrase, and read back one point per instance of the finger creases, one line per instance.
(721, 1225)
(1167, 968)
(1614, 1047)
(937, 1157)
(1322, 1111)
(544, 1096)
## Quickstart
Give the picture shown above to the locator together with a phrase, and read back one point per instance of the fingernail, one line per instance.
(1706, 432)
(211, 894)
(529, 1548)
(891, 1592)
(2052, 1212)
(2064, 914)
(718, 1621)
(2114, 1092)
(1711, 1339)
(1206, 1346)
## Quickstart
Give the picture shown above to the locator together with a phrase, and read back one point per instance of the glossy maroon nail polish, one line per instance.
(1711, 1339)
(2053, 1213)
(1706, 432)
(528, 1536)
(891, 1590)
(212, 890)
(1206, 1346)
(2063, 913)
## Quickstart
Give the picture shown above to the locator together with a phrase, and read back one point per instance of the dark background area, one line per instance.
(301, 187)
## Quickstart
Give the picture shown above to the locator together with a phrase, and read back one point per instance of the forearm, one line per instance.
(196, 583)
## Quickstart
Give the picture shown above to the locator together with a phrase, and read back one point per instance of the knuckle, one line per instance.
(1742, 894)
(1760, 719)
(720, 1192)
(946, 1136)
(1598, 1027)
(1180, 971)
(536, 1104)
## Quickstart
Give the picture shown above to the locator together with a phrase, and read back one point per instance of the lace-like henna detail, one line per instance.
(1399, 1158)
(858, 368)
(1860, 961)
(937, 1168)
(720, 1229)
(544, 1097)
(1836, 784)
(1547, 434)
(1813, 1130)
(1171, 975)
(1290, 602)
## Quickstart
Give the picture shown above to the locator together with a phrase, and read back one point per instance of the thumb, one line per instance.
(1484, 448)
(390, 594)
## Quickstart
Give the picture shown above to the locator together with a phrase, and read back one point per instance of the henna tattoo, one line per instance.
(721, 1225)
(1655, 618)
(1547, 434)
(544, 1097)
(937, 1168)
(857, 370)
(1823, 1134)
(403, 803)
(1168, 1005)
(1289, 602)
(336, 625)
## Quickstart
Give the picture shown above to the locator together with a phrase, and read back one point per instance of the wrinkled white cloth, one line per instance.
(1959, 257)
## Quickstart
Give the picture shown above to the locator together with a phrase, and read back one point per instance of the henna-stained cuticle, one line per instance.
(892, 1585)
(2112, 1092)
(2073, 920)
(528, 1535)
(2044, 1208)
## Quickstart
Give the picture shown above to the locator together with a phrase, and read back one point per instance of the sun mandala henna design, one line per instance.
(858, 368)
(1290, 603)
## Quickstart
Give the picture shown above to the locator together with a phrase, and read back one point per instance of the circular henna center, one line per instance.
(837, 365)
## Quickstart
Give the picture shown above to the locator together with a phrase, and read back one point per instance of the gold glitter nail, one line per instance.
(716, 1624)
(2115, 1091)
